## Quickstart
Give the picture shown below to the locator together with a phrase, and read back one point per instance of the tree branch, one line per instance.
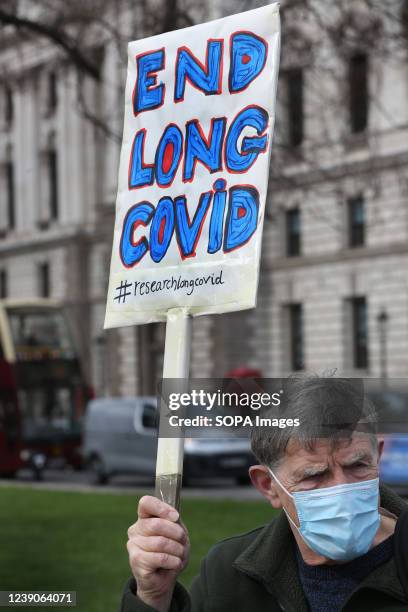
(56, 36)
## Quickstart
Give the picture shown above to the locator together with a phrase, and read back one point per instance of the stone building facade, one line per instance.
(334, 276)
(333, 293)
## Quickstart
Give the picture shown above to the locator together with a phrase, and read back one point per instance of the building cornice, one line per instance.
(370, 165)
(342, 256)
(23, 244)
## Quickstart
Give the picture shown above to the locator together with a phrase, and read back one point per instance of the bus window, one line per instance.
(37, 334)
(46, 407)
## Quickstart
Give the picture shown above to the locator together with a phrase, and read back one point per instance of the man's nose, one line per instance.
(339, 476)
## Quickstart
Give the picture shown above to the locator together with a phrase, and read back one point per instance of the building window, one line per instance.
(8, 106)
(52, 166)
(359, 332)
(9, 177)
(293, 232)
(294, 83)
(151, 343)
(404, 20)
(52, 92)
(296, 336)
(358, 91)
(356, 222)
(44, 280)
(3, 284)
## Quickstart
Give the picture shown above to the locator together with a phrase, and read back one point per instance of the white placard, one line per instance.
(193, 175)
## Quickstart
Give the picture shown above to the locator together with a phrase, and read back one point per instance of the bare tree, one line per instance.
(323, 41)
(80, 30)
(318, 37)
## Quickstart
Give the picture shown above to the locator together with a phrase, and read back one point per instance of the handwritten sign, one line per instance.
(199, 115)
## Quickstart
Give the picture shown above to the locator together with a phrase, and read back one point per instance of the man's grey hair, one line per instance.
(331, 408)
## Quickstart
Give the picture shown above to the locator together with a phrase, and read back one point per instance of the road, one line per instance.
(68, 480)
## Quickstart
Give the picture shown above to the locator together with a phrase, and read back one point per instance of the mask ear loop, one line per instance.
(280, 484)
(290, 495)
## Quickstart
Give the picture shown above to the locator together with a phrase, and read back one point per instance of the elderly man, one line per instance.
(332, 547)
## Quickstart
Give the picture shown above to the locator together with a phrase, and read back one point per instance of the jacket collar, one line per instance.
(271, 560)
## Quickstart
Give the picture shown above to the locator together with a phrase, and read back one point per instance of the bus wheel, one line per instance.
(98, 471)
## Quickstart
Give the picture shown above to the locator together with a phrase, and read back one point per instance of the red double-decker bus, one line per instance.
(43, 391)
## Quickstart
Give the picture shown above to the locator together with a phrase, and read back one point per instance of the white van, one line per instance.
(120, 437)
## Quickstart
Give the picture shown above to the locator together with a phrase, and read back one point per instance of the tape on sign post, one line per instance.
(170, 451)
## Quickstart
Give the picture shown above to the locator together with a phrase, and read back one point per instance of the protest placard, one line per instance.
(199, 116)
(193, 176)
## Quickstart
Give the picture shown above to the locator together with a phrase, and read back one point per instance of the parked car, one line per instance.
(120, 437)
(392, 406)
(394, 462)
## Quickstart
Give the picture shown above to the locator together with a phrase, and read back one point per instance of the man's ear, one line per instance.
(263, 481)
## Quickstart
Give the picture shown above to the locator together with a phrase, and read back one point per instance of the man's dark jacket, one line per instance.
(258, 572)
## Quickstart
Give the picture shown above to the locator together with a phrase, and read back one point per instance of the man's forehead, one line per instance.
(322, 449)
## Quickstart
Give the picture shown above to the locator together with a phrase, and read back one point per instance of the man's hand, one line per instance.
(158, 550)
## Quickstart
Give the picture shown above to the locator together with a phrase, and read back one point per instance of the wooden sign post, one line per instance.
(170, 451)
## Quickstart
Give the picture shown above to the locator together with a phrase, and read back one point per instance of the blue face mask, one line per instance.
(338, 522)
